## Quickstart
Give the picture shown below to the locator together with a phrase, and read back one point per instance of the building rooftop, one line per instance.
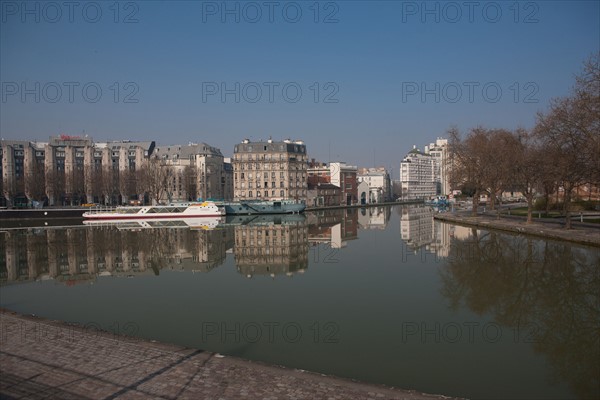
(185, 151)
(271, 146)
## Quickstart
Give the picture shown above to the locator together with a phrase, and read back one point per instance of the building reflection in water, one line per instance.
(332, 228)
(419, 231)
(374, 217)
(268, 245)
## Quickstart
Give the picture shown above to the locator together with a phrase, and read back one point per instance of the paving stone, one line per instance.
(82, 366)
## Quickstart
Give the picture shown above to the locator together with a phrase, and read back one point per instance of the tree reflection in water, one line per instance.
(547, 292)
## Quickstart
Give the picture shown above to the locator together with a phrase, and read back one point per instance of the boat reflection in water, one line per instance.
(192, 223)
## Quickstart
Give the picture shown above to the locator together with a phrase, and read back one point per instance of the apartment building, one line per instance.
(438, 150)
(270, 170)
(417, 175)
(197, 170)
(75, 170)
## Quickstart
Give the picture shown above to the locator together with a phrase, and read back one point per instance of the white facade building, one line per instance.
(378, 181)
(417, 175)
(364, 196)
(439, 152)
(420, 231)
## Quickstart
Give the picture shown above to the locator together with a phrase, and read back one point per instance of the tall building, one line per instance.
(344, 176)
(270, 170)
(439, 152)
(417, 175)
(378, 181)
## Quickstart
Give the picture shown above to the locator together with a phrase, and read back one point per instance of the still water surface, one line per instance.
(382, 295)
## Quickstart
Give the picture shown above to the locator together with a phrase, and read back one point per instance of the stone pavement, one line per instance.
(43, 359)
(586, 233)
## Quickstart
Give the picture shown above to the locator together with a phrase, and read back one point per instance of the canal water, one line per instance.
(383, 295)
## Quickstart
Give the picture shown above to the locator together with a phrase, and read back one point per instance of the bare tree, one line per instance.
(127, 183)
(78, 187)
(154, 177)
(35, 182)
(170, 181)
(570, 130)
(469, 162)
(527, 161)
(497, 151)
(55, 183)
(109, 183)
(189, 182)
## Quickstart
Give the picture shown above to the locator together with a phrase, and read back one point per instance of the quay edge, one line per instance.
(147, 368)
(583, 236)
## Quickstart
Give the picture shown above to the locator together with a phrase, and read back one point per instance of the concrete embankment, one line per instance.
(49, 359)
(43, 213)
(587, 235)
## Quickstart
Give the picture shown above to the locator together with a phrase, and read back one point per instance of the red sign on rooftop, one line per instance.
(69, 137)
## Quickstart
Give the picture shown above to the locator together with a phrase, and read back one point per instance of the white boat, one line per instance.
(198, 223)
(172, 210)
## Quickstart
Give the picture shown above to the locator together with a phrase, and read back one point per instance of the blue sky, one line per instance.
(375, 77)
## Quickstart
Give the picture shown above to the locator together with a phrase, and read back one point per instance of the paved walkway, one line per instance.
(582, 233)
(42, 359)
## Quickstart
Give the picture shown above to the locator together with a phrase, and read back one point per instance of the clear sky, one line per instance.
(375, 77)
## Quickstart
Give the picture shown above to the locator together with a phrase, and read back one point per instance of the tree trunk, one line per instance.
(529, 208)
(475, 204)
(498, 207)
(567, 200)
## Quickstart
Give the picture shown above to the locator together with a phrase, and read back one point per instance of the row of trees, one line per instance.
(153, 180)
(562, 151)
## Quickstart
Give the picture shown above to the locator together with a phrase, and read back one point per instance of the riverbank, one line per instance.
(586, 235)
(40, 358)
(42, 213)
